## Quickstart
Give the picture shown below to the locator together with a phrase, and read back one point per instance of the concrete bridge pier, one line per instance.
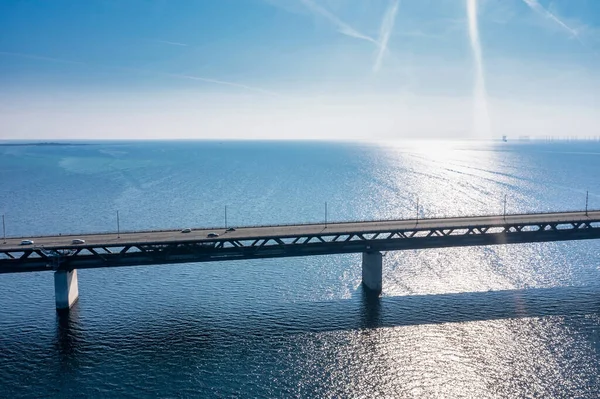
(371, 271)
(66, 290)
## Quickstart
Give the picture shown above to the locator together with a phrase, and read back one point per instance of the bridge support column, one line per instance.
(371, 270)
(66, 290)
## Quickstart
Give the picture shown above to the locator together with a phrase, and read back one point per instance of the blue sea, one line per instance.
(502, 321)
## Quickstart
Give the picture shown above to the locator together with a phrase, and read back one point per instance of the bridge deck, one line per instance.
(164, 247)
(284, 231)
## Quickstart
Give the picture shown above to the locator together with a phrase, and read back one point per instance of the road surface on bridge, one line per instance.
(283, 231)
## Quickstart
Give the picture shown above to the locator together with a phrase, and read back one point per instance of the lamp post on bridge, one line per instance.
(3, 230)
(225, 216)
(587, 193)
(118, 226)
(504, 211)
(325, 213)
(417, 210)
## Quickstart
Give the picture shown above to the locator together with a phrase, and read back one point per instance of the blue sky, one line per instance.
(329, 69)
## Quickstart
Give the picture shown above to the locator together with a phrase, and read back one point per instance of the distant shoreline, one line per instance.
(42, 144)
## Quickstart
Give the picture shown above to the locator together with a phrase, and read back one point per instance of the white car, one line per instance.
(27, 242)
(78, 241)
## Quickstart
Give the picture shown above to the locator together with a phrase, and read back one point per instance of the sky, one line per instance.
(299, 69)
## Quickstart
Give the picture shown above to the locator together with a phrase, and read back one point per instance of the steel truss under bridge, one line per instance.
(331, 239)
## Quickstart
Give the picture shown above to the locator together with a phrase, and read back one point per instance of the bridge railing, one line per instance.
(223, 227)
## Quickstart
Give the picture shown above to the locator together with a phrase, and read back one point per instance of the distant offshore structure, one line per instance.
(520, 138)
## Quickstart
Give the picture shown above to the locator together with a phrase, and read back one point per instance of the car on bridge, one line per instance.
(187, 230)
(27, 242)
(78, 241)
(212, 235)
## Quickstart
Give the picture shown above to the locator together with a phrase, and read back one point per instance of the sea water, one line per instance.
(486, 322)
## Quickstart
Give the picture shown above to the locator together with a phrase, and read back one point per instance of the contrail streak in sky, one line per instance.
(41, 58)
(387, 25)
(385, 30)
(137, 70)
(537, 7)
(343, 27)
(215, 81)
(172, 43)
(481, 114)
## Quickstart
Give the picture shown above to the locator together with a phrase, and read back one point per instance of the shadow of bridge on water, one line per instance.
(192, 328)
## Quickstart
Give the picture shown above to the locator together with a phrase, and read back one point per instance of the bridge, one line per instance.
(63, 256)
